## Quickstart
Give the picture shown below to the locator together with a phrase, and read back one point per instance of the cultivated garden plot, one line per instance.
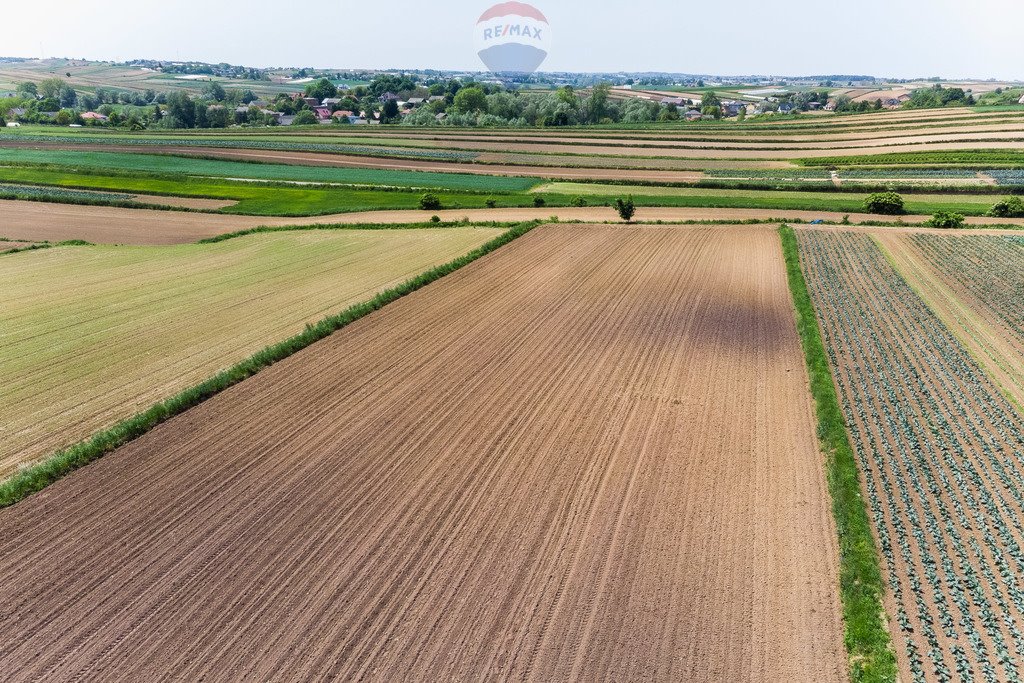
(91, 335)
(940, 451)
(974, 283)
(590, 455)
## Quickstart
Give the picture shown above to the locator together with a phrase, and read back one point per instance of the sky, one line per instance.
(885, 38)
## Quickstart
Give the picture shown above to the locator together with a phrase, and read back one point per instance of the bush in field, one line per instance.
(539, 202)
(887, 203)
(578, 201)
(435, 219)
(626, 208)
(430, 202)
(491, 202)
(946, 219)
(1011, 207)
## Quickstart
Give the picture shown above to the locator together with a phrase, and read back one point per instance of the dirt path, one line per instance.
(588, 456)
(113, 225)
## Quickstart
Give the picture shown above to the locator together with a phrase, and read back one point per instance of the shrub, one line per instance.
(1011, 207)
(539, 202)
(626, 208)
(578, 201)
(491, 203)
(946, 219)
(435, 219)
(430, 202)
(888, 203)
(304, 118)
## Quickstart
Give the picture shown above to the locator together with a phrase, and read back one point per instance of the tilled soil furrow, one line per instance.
(589, 455)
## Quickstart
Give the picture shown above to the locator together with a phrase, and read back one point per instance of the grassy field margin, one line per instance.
(62, 463)
(867, 638)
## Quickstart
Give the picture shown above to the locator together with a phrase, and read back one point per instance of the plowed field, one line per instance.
(589, 455)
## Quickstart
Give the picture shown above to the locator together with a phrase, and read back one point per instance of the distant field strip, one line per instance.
(262, 171)
(89, 335)
(588, 456)
(940, 452)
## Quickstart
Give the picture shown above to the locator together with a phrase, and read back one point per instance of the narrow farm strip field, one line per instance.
(974, 283)
(91, 335)
(588, 456)
(114, 225)
(940, 451)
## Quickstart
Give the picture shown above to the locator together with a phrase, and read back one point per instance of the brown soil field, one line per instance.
(590, 455)
(112, 225)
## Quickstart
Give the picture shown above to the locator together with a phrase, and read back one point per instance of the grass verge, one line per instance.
(62, 463)
(867, 639)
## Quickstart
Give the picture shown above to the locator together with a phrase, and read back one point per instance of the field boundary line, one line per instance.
(65, 461)
(866, 634)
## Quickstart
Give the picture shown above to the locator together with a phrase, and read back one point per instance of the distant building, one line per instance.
(785, 108)
(13, 124)
(675, 101)
(311, 101)
(331, 101)
(389, 97)
(322, 113)
(93, 116)
(416, 101)
(1021, 100)
(692, 115)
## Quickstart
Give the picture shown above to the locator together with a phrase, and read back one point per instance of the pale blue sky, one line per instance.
(902, 38)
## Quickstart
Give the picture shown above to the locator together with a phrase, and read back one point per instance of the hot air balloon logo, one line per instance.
(513, 37)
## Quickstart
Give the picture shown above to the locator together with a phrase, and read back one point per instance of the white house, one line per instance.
(1021, 100)
(13, 124)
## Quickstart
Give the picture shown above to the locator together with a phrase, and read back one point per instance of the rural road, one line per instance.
(23, 220)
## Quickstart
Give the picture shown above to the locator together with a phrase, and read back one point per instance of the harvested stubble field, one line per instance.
(115, 225)
(589, 455)
(92, 335)
(940, 452)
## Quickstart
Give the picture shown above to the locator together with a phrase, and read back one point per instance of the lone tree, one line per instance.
(946, 219)
(430, 202)
(887, 203)
(626, 208)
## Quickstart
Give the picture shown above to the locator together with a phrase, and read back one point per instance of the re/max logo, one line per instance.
(512, 30)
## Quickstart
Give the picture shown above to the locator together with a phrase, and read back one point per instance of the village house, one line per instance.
(692, 115)
(676, 101)
(311, 101)
(331, 101)
(785, 108)
(93, 116)
(322, 113)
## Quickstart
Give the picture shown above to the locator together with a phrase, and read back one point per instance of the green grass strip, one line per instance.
(867, 639)
(62, 463)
